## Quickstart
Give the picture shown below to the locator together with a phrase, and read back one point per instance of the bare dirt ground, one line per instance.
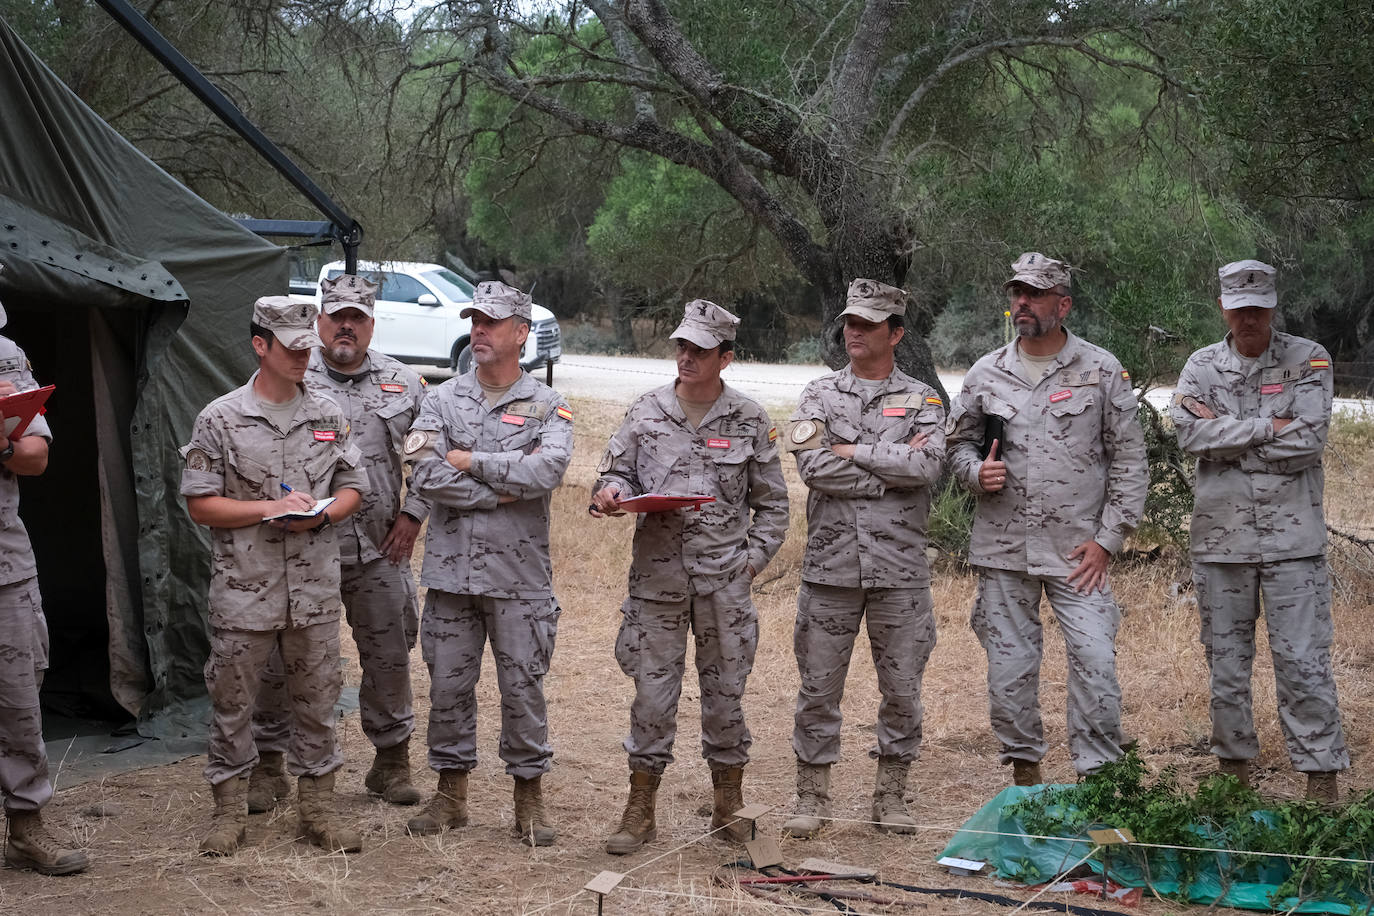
(144, 847)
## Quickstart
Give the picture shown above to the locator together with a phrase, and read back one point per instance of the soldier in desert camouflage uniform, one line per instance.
(488, 449)
(1255, 409)
(24, 780)
(1058, 492)
(380, 397)
(268, 448)
(692, 569)
(869, 442)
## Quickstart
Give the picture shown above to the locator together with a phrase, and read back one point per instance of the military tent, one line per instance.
(132, 295)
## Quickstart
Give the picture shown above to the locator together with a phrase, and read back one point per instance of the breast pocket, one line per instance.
(397, 414)
(1304, 397)
(654, 466)
(320, 469)
(248, 474)
(512, 438)
(732, 470)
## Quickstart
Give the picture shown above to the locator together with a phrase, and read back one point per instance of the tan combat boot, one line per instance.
(267, 784)
(318, 820)
(637, 825)
(229, 824)
(1236, 767)
(728, 797)
(530, 824)
(1321, 788)
(1026, 773)
(889, 803)
(813, 801)
(390, 775)
(31, 845)
(448, 808)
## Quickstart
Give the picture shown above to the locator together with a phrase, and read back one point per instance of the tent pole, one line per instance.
(346, 229)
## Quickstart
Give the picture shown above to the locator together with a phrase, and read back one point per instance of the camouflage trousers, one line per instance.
(1006, 619)
(901, 635)
(380, 605)
(23, 659)
(652, 649)
(1296, 599)
(233, 676)
(453, 632)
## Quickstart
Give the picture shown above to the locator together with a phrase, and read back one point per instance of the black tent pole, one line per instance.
(346, 229)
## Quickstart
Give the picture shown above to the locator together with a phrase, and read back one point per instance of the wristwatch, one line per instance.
(7, 452)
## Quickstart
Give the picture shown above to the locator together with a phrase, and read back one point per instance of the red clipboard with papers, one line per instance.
(21, 407)
(657, 502)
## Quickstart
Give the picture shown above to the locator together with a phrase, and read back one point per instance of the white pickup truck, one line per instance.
(417, 316)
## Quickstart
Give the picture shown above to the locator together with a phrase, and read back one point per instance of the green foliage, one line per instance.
(1222, 815)
(951, 518)
(1169, 500)
(806, 352)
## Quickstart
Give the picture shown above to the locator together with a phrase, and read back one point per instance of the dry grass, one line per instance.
(145, 853)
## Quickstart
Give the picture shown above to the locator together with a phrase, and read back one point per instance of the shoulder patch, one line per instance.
(605, 464)
(1126, 376)
(1319, 363)
(565, 413)
(417, 440)
(804, 434)
(772, 434)
(197, 460)
(935, 401)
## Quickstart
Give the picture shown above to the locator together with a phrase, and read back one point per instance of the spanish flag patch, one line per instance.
(936, 401)
(565, 413)
(1125, 376)
(772, 434)
(1319, 363)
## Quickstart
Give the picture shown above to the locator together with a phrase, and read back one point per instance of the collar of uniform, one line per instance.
(467, 385)
(848, 382)
(1270, 357)
(317, 364)
(248, 403)
(725, 405)
(1007, 360)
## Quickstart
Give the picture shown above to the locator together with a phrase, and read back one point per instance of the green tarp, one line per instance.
(132, 295)
(995, 837)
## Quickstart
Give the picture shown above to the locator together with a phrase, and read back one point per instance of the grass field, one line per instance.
(145, 849)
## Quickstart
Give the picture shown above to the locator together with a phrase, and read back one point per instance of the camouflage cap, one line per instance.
(874, 301)
(347, 291)
(1248, 283)
(496, 299)
(290, 321)
(1040, 272)
(705, 324)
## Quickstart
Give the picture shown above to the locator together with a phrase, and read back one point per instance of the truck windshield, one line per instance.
(449, 283)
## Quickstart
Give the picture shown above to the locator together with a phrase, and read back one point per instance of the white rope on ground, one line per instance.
(945, 828)
(629, 871)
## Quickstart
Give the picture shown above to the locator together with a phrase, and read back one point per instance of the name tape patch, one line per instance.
(512, 419)
(393, 387)
(1060, 396)
(717, 443)
(325, 435)
(1271, 389)
(894, 411)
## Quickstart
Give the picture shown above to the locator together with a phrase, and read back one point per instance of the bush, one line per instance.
(951, 518)
(806, 351)
(584, 337)
(963, 332)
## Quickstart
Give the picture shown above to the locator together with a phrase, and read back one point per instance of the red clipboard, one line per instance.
(657, 502)
(21, 407)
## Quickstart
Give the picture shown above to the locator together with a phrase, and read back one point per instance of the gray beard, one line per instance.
(1038, 329)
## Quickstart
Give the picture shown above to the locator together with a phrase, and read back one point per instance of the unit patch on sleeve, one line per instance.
(565, 413)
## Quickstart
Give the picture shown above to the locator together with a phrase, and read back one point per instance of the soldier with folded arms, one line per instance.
(1255, 409)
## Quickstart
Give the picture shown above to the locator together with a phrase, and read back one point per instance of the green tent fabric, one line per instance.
(993, 836)
(132, 295)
